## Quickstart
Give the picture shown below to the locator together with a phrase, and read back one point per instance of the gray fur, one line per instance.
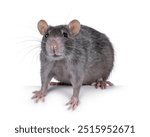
(84, 58)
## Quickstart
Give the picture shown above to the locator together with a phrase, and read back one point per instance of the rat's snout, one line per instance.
(53, 46)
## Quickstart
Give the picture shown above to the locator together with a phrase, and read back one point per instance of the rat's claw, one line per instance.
(102, 84)
(73, 103)
(109, 83)
(39, 95)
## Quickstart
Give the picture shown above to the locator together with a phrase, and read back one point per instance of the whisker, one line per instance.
(24, 41)
(30, 51)
(38, 57)
(26, 54)
(28, 36)
(28, 47)
(36, 54)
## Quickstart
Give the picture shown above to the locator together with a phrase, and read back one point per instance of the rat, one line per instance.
(76, 55)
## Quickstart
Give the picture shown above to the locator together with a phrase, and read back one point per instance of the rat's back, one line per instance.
(99, 54)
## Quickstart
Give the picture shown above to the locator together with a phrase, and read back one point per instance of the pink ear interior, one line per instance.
(74, 27)
(42, 26)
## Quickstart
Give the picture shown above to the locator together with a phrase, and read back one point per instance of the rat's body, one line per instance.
(74, 54)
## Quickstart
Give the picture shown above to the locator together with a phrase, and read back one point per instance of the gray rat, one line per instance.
(74, 54)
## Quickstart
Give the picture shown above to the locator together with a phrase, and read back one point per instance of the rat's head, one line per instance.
(57, 42)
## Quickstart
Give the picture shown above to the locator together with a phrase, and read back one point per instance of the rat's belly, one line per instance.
(61, 72)
(63, 75)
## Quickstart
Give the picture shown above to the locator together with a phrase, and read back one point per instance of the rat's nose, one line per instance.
(54, 46)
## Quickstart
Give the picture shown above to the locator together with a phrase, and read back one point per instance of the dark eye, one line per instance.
(65, 34)
(46, 35)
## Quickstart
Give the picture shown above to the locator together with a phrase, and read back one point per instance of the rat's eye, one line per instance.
(46, 35)
(65, 34)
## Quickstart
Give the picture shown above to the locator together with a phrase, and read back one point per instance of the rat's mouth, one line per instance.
(55, 56)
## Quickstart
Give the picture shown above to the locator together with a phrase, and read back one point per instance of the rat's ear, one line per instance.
(42, 26)
(74, 27)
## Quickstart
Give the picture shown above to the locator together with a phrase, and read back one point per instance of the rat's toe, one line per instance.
(73, 103)
(102, 84)
(109, 83)
(39, 95)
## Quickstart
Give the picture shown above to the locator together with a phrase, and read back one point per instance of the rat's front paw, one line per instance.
(39, 95)
(73, 103)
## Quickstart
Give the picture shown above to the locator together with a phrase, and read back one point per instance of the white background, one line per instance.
(126, 23)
